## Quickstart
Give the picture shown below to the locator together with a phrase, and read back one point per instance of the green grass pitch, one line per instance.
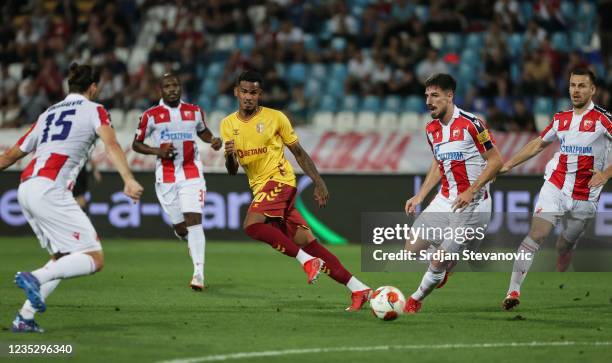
(139, 309)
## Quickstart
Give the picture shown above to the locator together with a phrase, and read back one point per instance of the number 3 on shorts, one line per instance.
(201, 196)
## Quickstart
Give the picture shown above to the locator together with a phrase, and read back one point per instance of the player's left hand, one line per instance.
(599, 178)
(216, 143)
(463, 200)
(321, 195)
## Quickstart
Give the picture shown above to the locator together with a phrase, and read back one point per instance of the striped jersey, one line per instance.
(457, 147)
(177, 126)
(585, 142)
(62, 138)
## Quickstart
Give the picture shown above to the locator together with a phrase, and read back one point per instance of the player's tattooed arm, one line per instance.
(11, 156)
(231, 164)
(533, 148)
(208, 137)
(321, 195)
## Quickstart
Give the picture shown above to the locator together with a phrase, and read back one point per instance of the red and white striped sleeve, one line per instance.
(27, 143)
(201, 124)
(144, 129)
(100, 117)
(606, 121)
(549, 134)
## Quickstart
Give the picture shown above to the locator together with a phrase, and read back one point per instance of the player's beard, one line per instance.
(439, 113)
(579, 103)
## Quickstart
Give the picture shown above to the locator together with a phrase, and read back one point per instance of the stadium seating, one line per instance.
(371, 104)
(366, 121)
(323, 120)
(344, 121)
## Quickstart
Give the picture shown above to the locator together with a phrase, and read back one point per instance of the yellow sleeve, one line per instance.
(285, 130)
(225, 129)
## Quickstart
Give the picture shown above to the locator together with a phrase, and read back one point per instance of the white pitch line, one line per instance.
(276, 353)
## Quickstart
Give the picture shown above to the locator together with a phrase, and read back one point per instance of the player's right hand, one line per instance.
(411, 204)
(166, 153)
(229, 147)
(321, 195)
(133, 189)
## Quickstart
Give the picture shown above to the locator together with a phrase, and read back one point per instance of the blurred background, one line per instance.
(319, 58)
(349, 73)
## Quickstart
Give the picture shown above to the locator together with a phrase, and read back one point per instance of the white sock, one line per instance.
(197, 246)
(72, 265)
(27, 311)
(521, 266)
(303, 257)
(430, 280)
(355, 285)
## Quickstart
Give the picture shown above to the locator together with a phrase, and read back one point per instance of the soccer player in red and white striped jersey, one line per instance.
(61, 140)
(574, 177)
(465, 161)
(173, 126)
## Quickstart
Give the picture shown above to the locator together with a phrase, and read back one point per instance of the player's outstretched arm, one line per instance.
(533, 148)
(11, 156)
(231, 164)
(494, 164)
(321, 194)
(132, 188)
(208, 137)
(431, 180)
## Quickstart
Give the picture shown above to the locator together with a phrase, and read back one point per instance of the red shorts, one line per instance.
(277, 201)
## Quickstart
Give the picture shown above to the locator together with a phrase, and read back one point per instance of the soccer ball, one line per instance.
(387, 302)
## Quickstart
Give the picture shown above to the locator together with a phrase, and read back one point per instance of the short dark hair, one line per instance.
(584, 71)
(169, 75)
(250, 76)
(80, 77)
(445, 81)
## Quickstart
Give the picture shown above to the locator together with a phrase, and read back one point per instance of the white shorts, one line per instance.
(552, 205)
(439, 214)
(185, 196)
(55, 217)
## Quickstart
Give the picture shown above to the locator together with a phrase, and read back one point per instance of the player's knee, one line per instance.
(99, 264)
(538, 235)
(191, 219)
(98, 259)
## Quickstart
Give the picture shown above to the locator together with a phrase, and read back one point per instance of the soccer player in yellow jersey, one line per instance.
(255, 138)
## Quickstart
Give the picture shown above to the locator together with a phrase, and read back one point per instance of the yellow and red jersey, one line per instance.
(260, 143)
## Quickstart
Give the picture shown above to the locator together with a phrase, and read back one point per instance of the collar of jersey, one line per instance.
(161, 102)
(75, 96)
(252, 117)
(589, 108)
(456, 111)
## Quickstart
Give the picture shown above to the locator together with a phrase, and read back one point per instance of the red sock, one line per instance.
(333, 267)
(274, 237)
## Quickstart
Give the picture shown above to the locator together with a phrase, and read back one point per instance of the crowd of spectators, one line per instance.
(387, 46)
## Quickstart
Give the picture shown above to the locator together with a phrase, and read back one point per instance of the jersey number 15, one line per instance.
(61, 124)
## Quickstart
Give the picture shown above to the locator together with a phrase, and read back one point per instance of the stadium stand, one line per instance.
(309, 50)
